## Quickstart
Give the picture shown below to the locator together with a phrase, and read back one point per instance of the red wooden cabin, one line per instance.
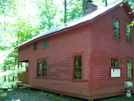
(90, 57)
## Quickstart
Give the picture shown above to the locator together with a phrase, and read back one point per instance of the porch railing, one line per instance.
(23, 77)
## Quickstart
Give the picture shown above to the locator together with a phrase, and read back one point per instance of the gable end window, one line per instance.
(128, 33)
(42, 65)
(114, 62)
(77, 67)
(116, 28)
(35, 45)
(45, 43)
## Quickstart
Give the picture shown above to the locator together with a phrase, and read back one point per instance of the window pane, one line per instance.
(129, 73)
(114, 62)
(45, 43)
(116, 29)
(78, 61)
(44, 72)
(45, 63)
(128, 38)
(77, 73)
(39, 64)
(127, 27)
(116, 33)
(39, 72)
(129, 67)
(112, 65)
(116, 22)
(128, 34)
(35, 46)
(129, 63)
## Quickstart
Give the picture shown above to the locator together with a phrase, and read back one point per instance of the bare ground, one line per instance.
(38, 95)
(34, 95)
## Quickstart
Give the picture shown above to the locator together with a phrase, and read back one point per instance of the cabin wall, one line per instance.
(24, 53)
(106, 47)
(60, 52)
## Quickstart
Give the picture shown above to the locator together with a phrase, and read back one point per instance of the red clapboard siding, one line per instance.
(60, 53)
(106, 47)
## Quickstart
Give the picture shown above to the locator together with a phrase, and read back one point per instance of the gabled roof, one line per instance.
(90, 17)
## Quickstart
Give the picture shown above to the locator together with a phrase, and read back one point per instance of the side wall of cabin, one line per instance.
(105, 47)
(60, 52)
(24, 53)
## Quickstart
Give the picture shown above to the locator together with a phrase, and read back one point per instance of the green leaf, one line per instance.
(3, 95)
(124, 1)
(121, 5)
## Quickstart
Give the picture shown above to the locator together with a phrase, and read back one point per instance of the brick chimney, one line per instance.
(88, 7)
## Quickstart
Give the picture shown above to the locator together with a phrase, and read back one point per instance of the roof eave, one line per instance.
(55, 33)
(129, 9)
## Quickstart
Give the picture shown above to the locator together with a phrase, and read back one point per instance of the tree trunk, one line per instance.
(106, 4)
(5, 78)
(65, 11)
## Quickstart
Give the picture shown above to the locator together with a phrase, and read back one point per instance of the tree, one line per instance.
(15, 29)
(47, 13)
(105, 1)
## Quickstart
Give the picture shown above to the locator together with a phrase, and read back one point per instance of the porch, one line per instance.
(22, 77)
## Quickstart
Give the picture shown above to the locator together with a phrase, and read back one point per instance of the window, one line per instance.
(78, 67)
(129, 68)
(114, 63)
(42, 66)
(35, 45)
(45, 43)
(128, 34)
(116, 28)
(39, 65)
